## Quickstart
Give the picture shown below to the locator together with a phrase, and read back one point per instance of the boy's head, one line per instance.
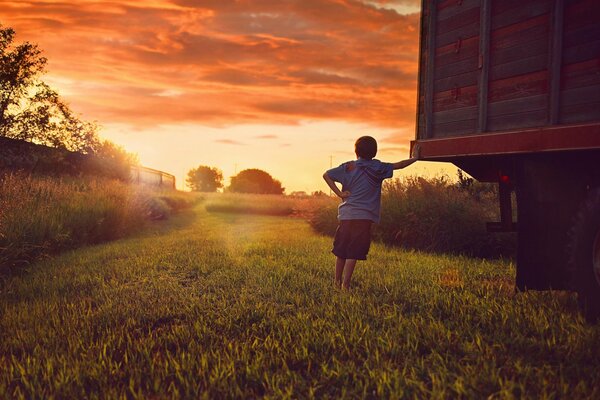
(365, 147)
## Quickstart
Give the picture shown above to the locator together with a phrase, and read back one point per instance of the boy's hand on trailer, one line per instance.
(416, 151)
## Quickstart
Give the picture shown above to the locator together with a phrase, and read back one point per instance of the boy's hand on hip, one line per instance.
(345, 194)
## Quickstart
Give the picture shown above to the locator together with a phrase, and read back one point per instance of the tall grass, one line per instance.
(432, 215)
(43, 215)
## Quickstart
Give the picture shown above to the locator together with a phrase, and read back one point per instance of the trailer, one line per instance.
(509, 91)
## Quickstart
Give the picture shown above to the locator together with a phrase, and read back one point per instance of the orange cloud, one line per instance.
(220, 63)
(229, 141)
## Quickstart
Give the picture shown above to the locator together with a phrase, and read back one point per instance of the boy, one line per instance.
(361, 194)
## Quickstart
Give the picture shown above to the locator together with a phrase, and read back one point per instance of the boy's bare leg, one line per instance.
(339, 270)
(348, 270)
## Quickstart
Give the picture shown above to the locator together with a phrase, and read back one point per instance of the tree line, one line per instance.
(210, 179)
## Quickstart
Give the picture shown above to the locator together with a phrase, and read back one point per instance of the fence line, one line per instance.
(153, 177)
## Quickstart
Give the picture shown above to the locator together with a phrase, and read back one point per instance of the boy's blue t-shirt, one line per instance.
(362, 178)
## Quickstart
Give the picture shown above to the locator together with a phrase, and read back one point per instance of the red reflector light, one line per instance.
(504, 179)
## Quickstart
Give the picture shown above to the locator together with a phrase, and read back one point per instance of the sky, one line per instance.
(286, 86)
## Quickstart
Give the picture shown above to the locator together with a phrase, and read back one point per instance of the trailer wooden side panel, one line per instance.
(489, 66)
(580, 83)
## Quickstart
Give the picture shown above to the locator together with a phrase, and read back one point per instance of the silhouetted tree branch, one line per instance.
(29, 109)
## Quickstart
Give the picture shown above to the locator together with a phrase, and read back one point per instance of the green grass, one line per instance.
(210, 305)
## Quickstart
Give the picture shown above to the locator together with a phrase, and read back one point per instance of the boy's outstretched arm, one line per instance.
(334, 187)
(416, 152)
(404, 163)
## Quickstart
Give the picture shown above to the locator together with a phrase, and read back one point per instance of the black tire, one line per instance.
(584, 257)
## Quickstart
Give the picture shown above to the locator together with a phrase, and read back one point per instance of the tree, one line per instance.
(115, 161)
(205, 179)
(255, 181)
(29, 109)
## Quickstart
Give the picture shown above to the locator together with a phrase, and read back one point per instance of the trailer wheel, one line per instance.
(584, 257)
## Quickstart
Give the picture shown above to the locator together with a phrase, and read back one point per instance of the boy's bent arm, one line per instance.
(334, 187)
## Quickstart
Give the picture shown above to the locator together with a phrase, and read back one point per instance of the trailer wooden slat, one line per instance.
(457, 81)
(535, 83)
(526, 119)
(450, 8)
(457, 68)
(518, 105)
(579, 13)
(458, 51)
(583, 52)
(578, 113)
(585, 73)
(464, 18)
(519, 11)
(465, 32)
(521, 66)
(456, 128)
(517, 34)
(454, 115)
(455, 98)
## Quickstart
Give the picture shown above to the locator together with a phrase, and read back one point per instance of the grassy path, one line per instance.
(218, 305)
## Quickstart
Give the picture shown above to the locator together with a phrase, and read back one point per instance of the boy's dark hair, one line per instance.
(365, 147)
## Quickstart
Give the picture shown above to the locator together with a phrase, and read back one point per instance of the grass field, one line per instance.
(214, 305)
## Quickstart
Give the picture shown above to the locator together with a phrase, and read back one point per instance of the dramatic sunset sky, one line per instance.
(281, 85)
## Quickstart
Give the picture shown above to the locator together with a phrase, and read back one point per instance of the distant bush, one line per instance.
(43, 215)
(434, 215)
(178, 201)
(246, 203)
(255, 181)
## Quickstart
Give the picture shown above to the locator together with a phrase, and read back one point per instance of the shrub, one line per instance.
(324, 219)
(179, 201)
(247, 203)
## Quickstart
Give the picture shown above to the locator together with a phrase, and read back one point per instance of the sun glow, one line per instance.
(295, 155)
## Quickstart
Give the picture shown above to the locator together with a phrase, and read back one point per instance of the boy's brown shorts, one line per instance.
(352, 239)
